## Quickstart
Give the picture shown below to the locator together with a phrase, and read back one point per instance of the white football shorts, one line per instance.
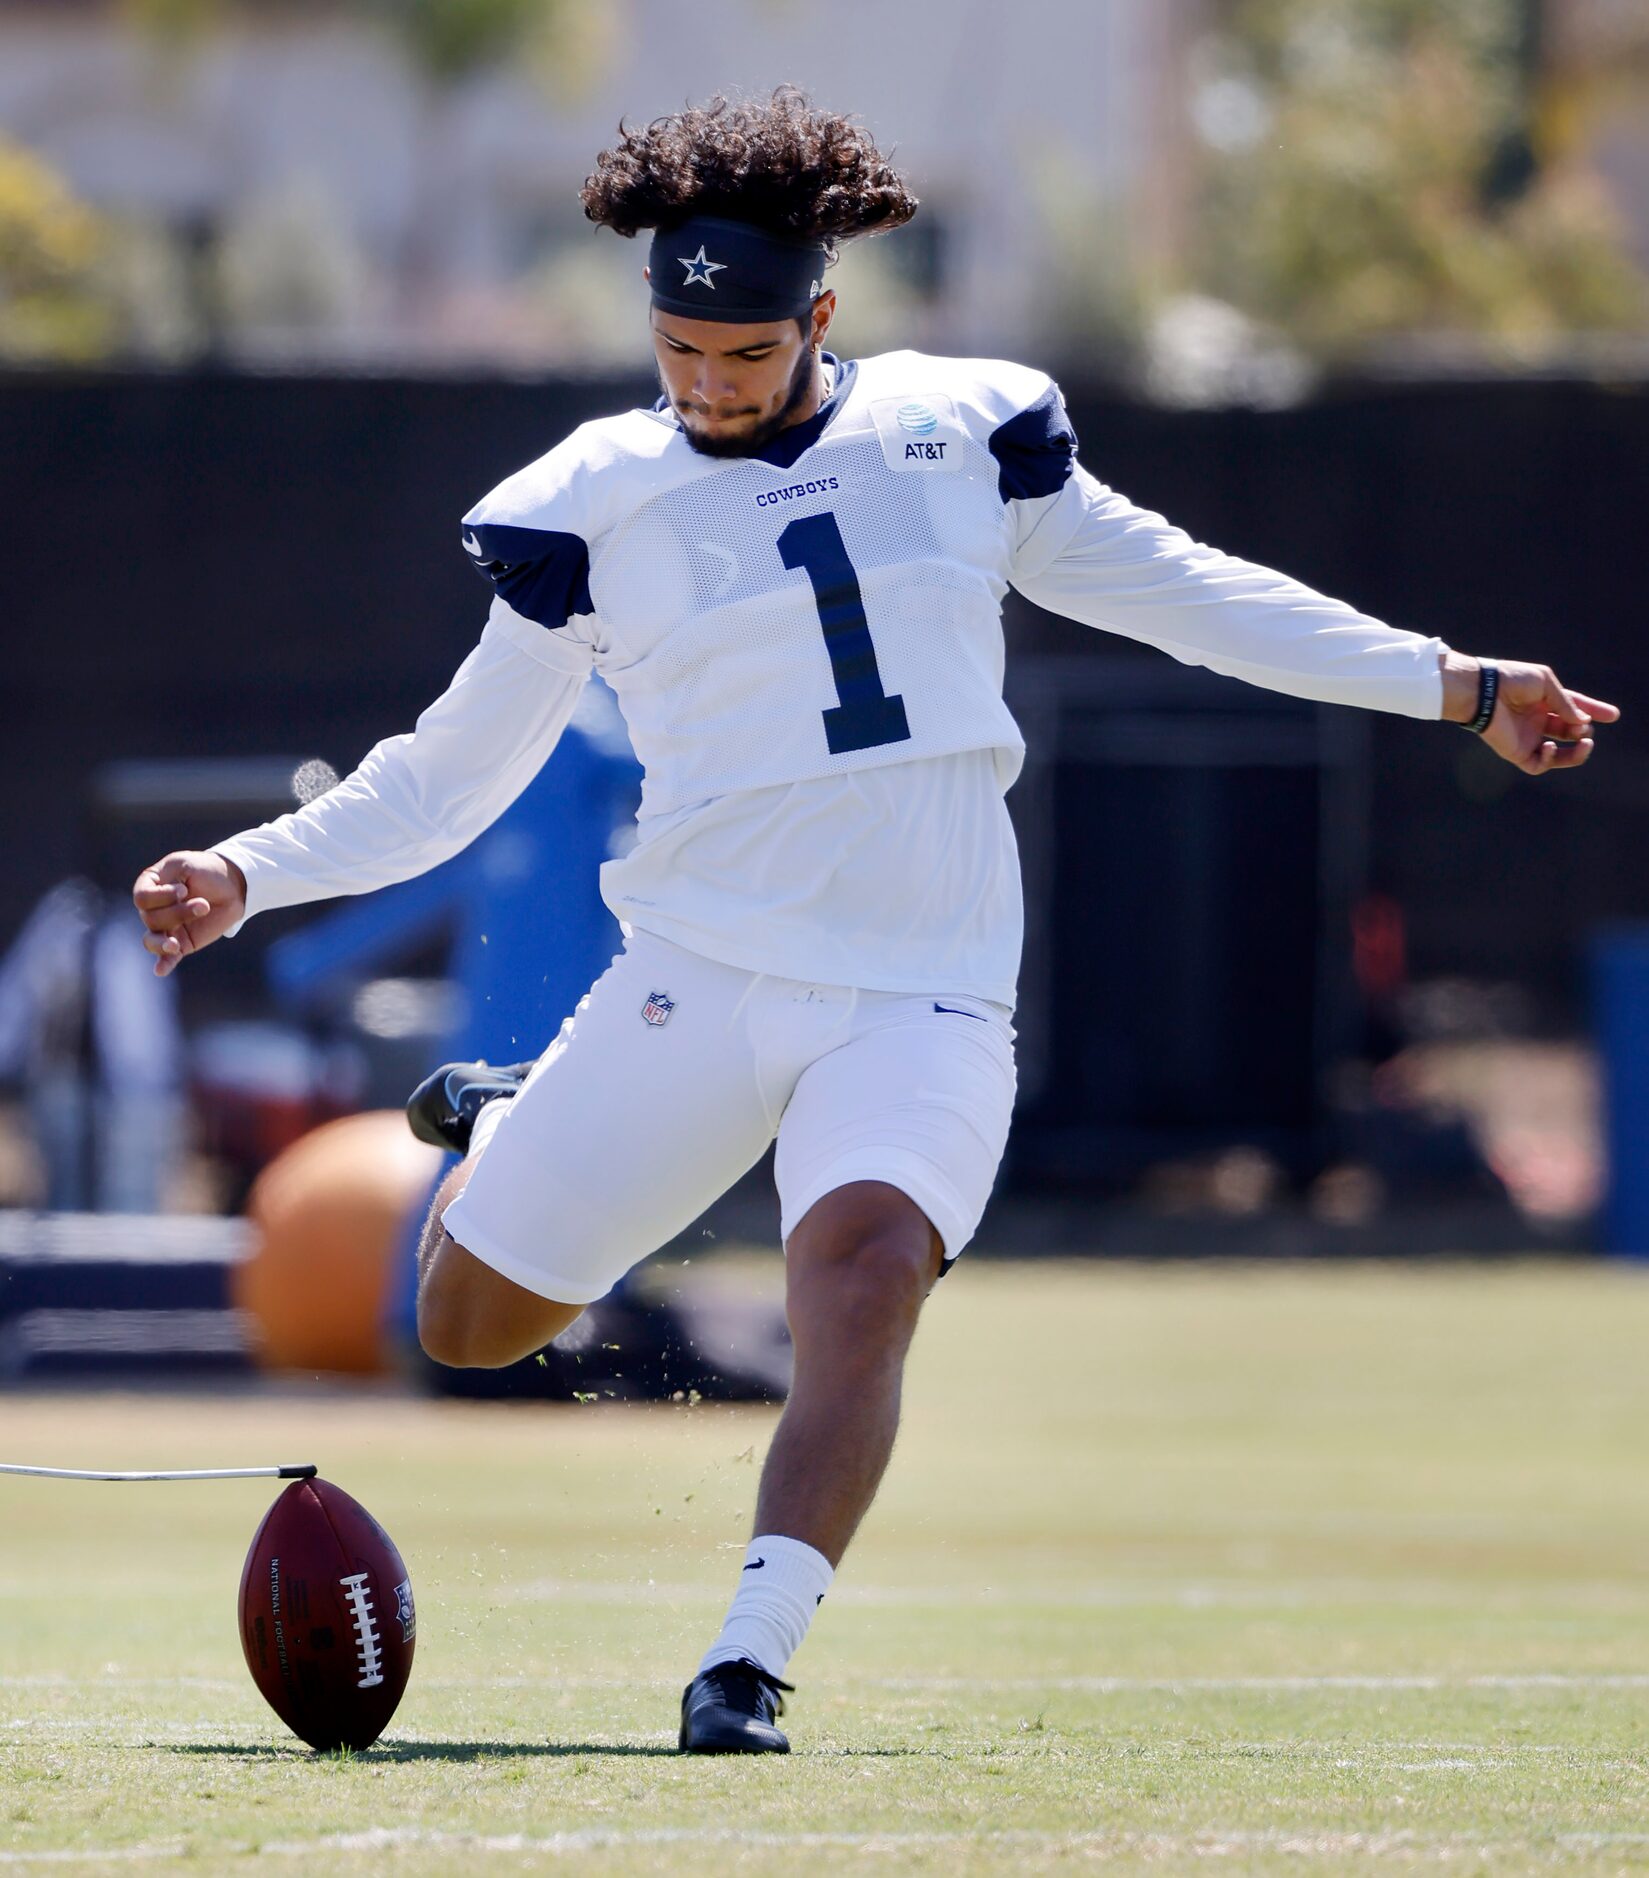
(675, 1072)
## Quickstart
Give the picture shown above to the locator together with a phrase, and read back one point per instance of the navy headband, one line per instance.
(710, 269)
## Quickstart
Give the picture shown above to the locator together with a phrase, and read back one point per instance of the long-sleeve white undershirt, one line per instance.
(1095, 557)
(417, 799)
(895, 879)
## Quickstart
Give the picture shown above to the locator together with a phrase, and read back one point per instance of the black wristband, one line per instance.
(1488, 689)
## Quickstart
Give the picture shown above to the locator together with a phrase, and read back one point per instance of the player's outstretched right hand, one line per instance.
(186, 901)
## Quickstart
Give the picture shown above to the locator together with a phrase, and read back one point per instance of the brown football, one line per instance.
(326, 1617)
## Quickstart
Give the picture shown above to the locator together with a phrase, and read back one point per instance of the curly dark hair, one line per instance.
(778, 163)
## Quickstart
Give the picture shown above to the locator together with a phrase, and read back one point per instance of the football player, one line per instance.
(790, 571)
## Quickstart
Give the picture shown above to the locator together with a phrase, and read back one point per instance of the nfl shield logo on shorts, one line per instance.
(658, 1007)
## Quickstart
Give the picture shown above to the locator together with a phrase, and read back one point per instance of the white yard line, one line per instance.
(1194, 1595)
(1128, 1685)
(114, 1680)
(1117, 1594)
(1236, 1844)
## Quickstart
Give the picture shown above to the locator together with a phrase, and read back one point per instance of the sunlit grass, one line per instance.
(1311, 1569)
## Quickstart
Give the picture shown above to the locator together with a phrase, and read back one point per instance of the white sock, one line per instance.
(481, 1129)
(781, 1586)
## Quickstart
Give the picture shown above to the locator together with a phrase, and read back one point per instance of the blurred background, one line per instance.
(1356, 288)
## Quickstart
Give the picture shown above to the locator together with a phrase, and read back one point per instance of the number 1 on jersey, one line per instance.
(866, 715)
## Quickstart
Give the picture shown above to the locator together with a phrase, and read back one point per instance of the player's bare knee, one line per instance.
(450, 1328)
(866, 1294)
(471, 1318)
(442, 1329)
(459, 1341)
(890, 1269)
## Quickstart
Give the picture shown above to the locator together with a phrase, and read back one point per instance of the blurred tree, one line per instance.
(451, 37)
(267, 274)
(53, 301)
(174, 22)
(1371, 180)
(560, 42)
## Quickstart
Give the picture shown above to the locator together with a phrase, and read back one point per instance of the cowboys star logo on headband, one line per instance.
(770, 275)
(699, 269)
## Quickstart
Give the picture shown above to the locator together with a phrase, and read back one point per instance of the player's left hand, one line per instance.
(1541, 725)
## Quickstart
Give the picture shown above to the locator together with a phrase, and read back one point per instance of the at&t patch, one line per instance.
(920, 433)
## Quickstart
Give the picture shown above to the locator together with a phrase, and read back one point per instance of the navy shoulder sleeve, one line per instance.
(543, 573)
(1034, 449)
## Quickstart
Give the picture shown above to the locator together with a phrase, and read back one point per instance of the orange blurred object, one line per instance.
(329, 1212)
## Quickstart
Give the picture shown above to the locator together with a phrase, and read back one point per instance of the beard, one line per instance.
(748, 442)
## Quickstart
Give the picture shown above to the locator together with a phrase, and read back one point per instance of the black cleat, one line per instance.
(729, 1709)
(443, 1108)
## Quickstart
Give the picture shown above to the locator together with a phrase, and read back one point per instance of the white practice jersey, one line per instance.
(806, 645)
(831, 605)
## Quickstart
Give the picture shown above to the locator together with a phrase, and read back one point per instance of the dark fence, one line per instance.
(1504, 517)
(210, 566)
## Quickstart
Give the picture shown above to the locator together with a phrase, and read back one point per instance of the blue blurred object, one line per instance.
(1620, 990)
(530, 931)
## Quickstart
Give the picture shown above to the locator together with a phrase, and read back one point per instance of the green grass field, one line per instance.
(1307, 1570)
